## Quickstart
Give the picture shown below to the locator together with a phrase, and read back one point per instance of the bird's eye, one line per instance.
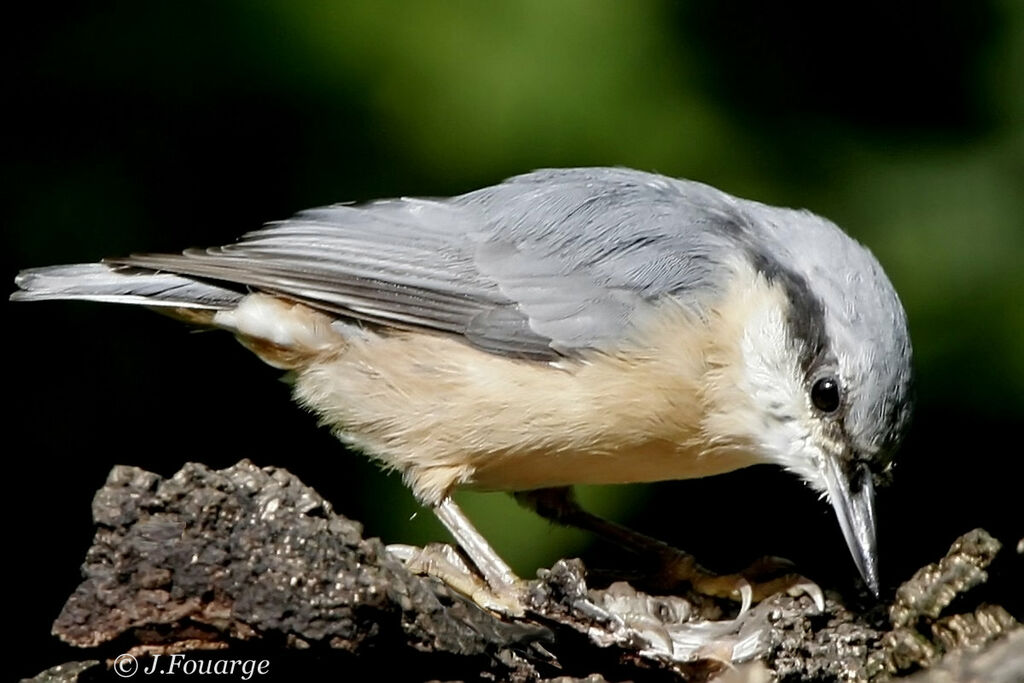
(825, 394)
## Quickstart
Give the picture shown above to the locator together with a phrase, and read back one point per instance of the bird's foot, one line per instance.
(444, 563)
(673, 566)
(493, 585)
(762, 579)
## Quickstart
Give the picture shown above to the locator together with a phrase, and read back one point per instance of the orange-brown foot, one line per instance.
(760, 580)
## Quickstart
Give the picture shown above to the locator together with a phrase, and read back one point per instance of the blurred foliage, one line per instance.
(153, 126)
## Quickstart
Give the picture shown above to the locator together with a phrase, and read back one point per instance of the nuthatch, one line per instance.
(593, 325)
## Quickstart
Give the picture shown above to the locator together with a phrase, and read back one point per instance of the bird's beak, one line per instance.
(854, 503)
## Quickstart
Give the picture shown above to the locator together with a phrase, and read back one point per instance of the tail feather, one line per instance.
(112, 284)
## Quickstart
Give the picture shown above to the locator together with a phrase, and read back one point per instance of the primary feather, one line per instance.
(99, 282)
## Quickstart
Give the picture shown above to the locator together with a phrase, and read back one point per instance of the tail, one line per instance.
(121, 285)
(284, 334)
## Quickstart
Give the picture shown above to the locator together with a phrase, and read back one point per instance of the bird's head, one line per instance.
(820, 373)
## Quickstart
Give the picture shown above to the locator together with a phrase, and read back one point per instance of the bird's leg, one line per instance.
(501, 589)
(499, 576)
(674, 566)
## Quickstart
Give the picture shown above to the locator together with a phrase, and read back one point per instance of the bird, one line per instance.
(562, 327)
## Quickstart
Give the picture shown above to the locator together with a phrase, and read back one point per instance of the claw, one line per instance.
(746, 592)
(807, 587)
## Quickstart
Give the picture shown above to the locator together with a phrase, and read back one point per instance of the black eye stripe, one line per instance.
(825, 394)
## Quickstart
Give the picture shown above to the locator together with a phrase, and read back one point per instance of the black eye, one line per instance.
(825, 394)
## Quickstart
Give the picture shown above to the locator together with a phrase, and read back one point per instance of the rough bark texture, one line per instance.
(249, 563)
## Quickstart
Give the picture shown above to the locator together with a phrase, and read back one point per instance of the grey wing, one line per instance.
(401, 263)
(540, 267)
(586, 251)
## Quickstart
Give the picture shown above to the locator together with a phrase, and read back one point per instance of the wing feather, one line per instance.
(540, 266)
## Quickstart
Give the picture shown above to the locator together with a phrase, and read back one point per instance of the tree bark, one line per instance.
(249, 564)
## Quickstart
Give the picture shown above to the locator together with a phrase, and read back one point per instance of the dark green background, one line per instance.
(146, 127)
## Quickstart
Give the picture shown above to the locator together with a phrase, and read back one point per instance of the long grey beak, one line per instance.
(856, 512)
